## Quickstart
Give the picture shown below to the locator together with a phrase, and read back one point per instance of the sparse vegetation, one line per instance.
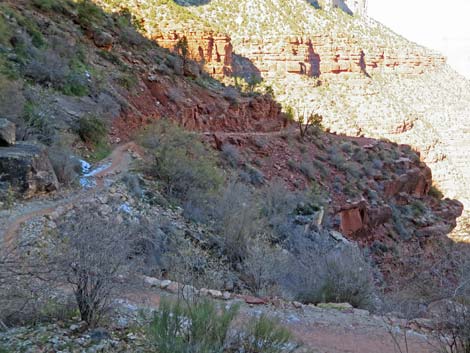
(92, 130)
(181, 162)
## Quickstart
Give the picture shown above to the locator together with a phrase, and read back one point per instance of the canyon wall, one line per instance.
(311, 56)
(320, 54)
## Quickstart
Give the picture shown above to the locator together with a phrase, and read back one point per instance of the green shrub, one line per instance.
(5, 31)
(307, 169)
(264, 335)
(289, 112)
(37, 118)
(92, 130)
(193, 328)
(181, 161)
(89, 14)
(398, 223)
(202, 327)
(48, 5)
(435, 192)
(127, 81)
(27, 23)
(418, 208)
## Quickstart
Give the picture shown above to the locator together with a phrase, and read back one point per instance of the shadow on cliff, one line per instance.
(340, 4)
(314, 60)
(243, 67)
(363, 64)
(192, 2)
(315, 4)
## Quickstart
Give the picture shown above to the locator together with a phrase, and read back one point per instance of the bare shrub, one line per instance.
(47, 67)
(133, 183)
(231, 154)
(237, 220)
(91, 254)
(321, 270)
(263, 268)
(453, 329)
(25, 298)
(278, 203)
(252, 175)
(307, 169)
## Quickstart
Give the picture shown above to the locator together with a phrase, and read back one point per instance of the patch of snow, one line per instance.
(97, 170)
(85, 166)
(87, 180)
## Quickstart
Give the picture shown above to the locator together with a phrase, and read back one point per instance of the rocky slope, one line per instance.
(128, 81)
(363, 78)
(63, 64)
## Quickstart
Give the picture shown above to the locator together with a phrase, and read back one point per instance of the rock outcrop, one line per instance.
(24, 166)
(7, 133)
(212, 50)
(416, 182)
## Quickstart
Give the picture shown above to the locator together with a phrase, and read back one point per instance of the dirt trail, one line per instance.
(118, 164)
(322, 331)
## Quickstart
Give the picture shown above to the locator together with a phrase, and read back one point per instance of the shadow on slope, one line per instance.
(192, 2)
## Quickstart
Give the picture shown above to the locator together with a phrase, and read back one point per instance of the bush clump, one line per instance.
(202, 327)
(181, 161)
(92, 130)
(180, 328)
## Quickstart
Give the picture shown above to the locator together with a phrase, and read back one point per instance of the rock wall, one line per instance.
(213, 50)
(320, 54)
(311, 56)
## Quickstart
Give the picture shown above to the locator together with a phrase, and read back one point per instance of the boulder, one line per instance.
(103, 40)
(354, 218)
(27, 168)
(7, 133)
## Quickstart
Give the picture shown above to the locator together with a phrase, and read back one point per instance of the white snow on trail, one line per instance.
(87, 180)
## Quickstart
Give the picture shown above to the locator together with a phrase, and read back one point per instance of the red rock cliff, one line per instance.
(213, 50)
(320, 54)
